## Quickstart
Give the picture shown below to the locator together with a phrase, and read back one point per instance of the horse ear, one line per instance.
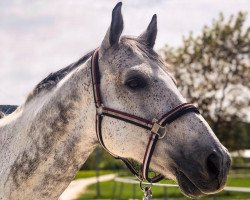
(149, 35)
(115, 30)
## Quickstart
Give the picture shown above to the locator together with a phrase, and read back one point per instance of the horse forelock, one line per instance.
(138, 44)
(135, 43)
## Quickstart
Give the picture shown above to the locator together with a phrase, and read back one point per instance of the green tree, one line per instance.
(213, 71)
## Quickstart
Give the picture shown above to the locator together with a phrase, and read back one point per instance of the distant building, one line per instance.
(7, 109)
(245, 154)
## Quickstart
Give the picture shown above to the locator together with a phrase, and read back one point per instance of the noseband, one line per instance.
(156, 127)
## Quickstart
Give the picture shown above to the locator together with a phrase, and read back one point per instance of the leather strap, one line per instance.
(156, 127)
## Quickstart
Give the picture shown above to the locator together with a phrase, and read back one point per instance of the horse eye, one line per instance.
(136, 83)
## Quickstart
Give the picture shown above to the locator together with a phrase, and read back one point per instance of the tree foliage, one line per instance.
(213, 71)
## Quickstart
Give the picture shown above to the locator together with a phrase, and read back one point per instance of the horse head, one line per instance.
(135, 79)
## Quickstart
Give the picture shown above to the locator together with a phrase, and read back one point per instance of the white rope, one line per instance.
(132, 181)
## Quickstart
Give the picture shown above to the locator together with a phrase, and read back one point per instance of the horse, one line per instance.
(44, 142)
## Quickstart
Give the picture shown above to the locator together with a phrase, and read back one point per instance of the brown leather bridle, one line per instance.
(156, 127)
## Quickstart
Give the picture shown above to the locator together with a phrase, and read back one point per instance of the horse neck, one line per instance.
(44, 143)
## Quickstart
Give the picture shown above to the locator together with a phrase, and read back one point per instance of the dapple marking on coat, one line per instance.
(46, 140)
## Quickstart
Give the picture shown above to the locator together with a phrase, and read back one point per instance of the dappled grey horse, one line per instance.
(125, 92)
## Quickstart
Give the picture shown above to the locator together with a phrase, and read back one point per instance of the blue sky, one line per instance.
(39, 37)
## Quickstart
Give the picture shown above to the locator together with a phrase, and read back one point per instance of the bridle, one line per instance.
(156, 127)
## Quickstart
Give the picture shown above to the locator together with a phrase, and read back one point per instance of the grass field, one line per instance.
(125, 191)
(91, 173)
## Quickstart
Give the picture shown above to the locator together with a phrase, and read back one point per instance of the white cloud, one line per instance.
(38, 37)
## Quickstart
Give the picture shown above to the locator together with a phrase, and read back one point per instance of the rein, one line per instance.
(156, 127)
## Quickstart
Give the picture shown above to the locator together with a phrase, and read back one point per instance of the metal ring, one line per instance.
(99, 109)
(163, 135)
(154, 120)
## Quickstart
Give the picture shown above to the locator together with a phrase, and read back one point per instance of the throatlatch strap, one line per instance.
(131, 168)
(95, 76)
(99, 135)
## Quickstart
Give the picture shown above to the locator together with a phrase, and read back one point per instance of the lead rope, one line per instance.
(147, 191)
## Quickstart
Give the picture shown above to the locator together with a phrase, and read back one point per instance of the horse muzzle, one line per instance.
(204, 176)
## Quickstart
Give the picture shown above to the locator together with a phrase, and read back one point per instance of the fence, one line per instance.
(165, 186)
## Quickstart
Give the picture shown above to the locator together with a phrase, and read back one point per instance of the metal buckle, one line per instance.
(158, 129)
(99, 110)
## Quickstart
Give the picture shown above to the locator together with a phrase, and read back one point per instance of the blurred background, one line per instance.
(206, 42)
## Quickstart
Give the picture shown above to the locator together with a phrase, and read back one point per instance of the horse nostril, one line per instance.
(213, 165)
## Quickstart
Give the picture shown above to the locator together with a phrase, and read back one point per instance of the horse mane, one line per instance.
(6, 110)
(53, 78)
